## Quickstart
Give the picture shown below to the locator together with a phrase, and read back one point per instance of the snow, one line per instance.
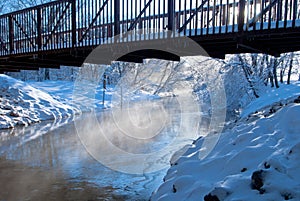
(264, 149)
(64, 92)
(22, 104)
(272, 95)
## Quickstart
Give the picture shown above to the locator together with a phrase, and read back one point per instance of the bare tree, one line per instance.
(290, 68)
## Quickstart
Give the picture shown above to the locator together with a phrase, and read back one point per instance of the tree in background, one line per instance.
(13, 5)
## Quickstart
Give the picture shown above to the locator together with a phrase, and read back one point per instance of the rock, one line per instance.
(297, 100)
(14, 114)
(244, 170)
(174, 189)
(211, 197)
(267, 165)
(257, 180)
(217, 194)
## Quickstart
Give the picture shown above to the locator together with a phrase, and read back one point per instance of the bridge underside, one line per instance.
(217, 46)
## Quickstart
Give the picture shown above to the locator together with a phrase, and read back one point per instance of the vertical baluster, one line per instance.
(123, 17)
(185, 15)
(190, 14)
(233, 15)
(164, 13)
(61, 7)
(93, 25)
(159, 17)
(82, 22)
(241, 16)
(44, 28)
(270, 16)
(22, 23)
(67, 27)
(214, 17)
(127, 15)
(144, 19)
(149, 20)
(294, 13)
(254, 14)
(220, 16)
(140, 23)
(103, 25)
(227, 15)
(248, 13)
(26, 30)
(285, 13)
(58, 25)
(202, 18)
(154, 13)
(109, 19)
(196, 18)
(207, 17)
(39, 28)
(47, 24)
(63, 25)
(117, 17)
(278, 14)
(262, 16)
(20, 34)
(17, 35)
(291, 10)
(179, 15)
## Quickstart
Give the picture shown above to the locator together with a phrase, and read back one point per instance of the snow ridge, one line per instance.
(257, 159)
(22, 104)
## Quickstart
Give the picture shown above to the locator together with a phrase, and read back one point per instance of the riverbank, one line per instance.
(256, 159)
(25, 103)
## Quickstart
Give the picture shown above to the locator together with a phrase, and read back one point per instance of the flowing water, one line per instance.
(56, 166)
(47, 161)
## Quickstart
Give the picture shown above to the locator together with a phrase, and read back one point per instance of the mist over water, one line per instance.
(55, 166)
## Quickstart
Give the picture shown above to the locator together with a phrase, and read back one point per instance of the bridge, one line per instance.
(64, 32)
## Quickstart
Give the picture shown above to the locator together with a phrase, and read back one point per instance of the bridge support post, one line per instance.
(116, 17)
(11, 34)
(74, 32)
(171, 10)
(241, 17)
(39, 28)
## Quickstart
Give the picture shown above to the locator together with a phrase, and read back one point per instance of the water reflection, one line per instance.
(57, 159)
(48, 161)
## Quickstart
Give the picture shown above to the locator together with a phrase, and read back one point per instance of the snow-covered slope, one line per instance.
(271, 96)
(257, 159)
(21, 104)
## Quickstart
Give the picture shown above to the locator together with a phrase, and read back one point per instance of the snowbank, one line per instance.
(22, 104)
(283, 94)
(254, 160)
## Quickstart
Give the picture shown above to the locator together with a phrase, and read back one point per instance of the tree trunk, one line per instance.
(281, 76)
(247, 76)
(47, 74)
(290, 68)
(275, 62)
(271, 79)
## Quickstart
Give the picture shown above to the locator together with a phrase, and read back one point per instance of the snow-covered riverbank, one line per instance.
(24, 103)
(256, 159)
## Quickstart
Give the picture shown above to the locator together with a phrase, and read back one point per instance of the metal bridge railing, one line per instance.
(69, 24)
